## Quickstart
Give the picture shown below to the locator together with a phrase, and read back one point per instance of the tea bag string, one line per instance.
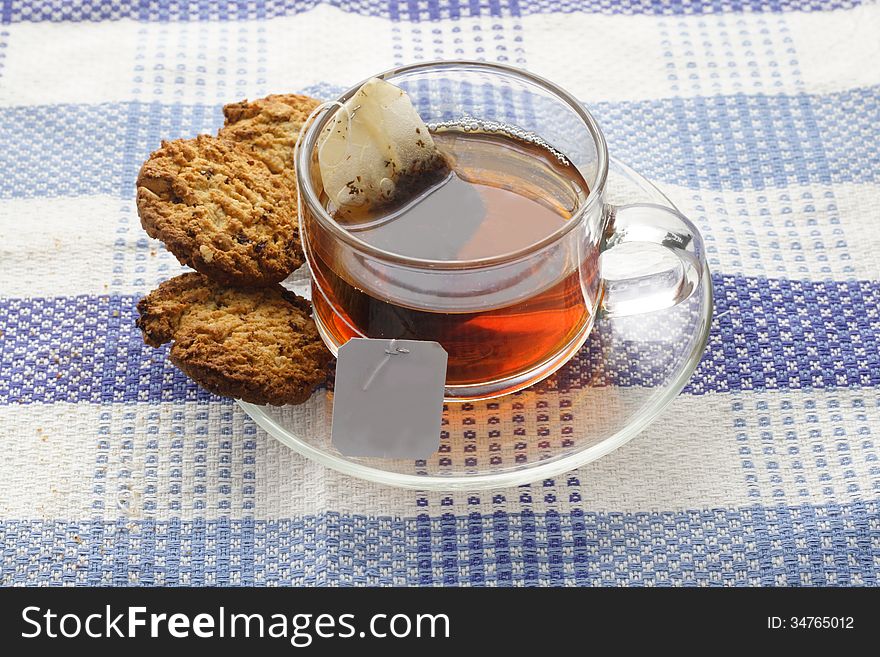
(392, 350)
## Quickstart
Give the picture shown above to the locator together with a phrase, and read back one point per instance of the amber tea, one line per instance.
(506, 192)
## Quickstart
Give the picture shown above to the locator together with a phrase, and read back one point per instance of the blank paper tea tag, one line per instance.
(388, 399)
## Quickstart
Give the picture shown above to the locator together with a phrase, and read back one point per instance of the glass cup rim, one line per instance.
(309, 197)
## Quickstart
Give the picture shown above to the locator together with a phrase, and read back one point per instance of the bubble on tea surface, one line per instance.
(376, 150)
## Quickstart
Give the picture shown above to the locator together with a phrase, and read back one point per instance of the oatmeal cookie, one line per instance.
(220, 210)
(268, 128)
(259, 345)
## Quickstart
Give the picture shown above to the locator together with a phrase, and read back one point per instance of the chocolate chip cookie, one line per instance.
(268, 128)
(259, 345)
(220, 210)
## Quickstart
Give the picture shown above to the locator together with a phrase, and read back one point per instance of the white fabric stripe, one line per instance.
(620, 57)
(646, 57)
(765, 448)
(68, 63)
(810, 231)
(844, 50)
(859, 210)
(326, 46)
(807, 231)
(122, 460)
(49, 461)
(190, 62)
(48, 247)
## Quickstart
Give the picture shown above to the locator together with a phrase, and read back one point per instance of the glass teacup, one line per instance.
(511, 318)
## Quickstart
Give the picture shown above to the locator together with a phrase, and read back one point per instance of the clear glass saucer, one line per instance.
(627, 372)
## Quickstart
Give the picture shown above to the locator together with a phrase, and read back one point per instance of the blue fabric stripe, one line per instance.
(834, 544)
(14, 11)
(779, 334)
(706, 143)
(834, 145)
(529, 546)
(450, 549)
(74, 150)
(423, 550)
(476, 545)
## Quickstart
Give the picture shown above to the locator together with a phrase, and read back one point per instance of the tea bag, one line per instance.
(377, 151)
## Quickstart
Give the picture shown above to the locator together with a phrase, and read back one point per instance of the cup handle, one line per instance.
(644, 228)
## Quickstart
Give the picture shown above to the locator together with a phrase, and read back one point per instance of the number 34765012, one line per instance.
(811, 623)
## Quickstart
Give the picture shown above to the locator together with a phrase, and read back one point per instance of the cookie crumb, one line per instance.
(206, 253)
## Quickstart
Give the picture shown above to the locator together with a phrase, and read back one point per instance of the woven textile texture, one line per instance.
(759, 118)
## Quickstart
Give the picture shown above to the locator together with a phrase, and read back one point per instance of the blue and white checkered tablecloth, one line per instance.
(758, 117)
